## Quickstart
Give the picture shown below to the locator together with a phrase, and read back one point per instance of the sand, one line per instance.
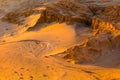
(37, 53)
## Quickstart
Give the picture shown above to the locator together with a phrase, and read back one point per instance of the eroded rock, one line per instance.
(103, 43)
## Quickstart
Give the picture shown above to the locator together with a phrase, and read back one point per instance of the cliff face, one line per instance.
(70, 12)
(66, 11)
(109, 18)
(97, 48)
(103, 46)
(56, 12)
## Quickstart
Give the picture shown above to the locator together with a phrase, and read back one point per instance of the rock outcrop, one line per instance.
(109, 18)
(61, 11)
(104, 43)
(66, 11)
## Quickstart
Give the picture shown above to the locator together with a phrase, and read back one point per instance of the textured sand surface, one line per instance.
(60, 40)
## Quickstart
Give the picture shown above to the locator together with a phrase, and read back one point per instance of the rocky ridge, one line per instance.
(104, 44)
(59, 12)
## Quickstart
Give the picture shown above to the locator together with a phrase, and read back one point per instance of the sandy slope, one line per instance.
(33, 54)
(23, 57)
(19, 63)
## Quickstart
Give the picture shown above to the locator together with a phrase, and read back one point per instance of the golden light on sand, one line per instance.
(59, 40)
(55, 33)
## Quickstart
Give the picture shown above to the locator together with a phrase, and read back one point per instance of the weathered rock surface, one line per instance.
(66, 11)
(104, 43)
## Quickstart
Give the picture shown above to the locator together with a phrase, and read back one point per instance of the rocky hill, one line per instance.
(59, 40)
(103, 47)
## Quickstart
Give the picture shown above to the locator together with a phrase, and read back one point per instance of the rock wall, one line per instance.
(97, 23)
(67, 11)
(103, 45)
(61, 11)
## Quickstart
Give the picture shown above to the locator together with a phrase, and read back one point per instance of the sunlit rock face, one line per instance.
(109, 18)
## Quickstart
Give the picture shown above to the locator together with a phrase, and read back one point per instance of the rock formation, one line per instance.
(69, 12)
(104, 42)
(66, 11)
